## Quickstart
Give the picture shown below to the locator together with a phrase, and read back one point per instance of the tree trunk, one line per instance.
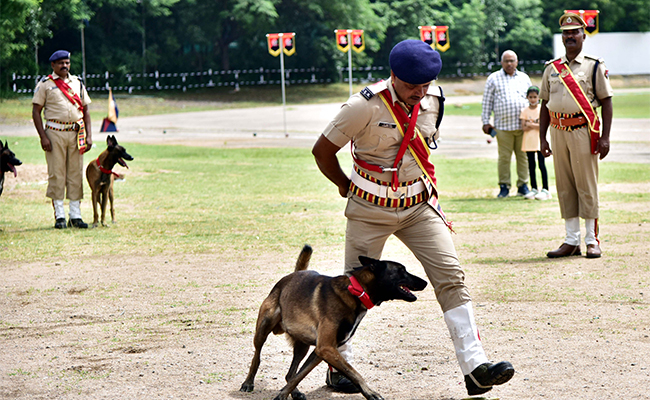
(225, 58)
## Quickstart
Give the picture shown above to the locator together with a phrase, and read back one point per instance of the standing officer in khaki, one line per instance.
(377, 208)
(576, 167)
(66, 116)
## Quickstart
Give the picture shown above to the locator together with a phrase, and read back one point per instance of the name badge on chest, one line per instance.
(390, 125)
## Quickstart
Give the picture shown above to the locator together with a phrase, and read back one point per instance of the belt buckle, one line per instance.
(560, 121)
(400, 193)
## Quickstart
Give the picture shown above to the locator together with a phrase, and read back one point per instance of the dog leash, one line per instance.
(106, 171)
(357, 290)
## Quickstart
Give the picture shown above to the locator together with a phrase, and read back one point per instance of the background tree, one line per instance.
(131, 36)
(14, 43)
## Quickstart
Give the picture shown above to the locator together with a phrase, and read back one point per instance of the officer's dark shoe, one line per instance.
(523, 190)
(504, 191)
(77, 223)
(340, 383)
(60, 223)
(487, 375)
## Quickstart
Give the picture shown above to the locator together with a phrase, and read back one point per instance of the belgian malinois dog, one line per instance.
(323, 311)
(100, 177)
(8, 163)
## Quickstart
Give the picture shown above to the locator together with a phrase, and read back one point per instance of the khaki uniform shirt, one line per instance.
(56, 105)
(376, 137)
(558, 97)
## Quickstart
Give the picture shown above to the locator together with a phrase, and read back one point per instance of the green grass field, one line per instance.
(178, 199)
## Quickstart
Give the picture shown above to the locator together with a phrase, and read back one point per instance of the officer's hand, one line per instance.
(545, 148)
(343, 190)
(46, 145)
(603, 147)
(89, 144)
(486, 128)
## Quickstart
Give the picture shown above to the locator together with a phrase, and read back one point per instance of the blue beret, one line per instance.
(415, 62)
(59, 54)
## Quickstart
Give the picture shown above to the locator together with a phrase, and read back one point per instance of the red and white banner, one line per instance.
(279, 42)
(342, 42)
(426, 35)
(442, 38)
(358, 43)
(289, 43)
(273, 40)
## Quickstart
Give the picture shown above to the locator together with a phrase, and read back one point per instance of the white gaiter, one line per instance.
(464, 334)
(75, 210)
(59, 211)
(591, 236)
(572, 226)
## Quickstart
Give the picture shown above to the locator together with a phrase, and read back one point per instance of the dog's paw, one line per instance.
(246, 387)
(296, 395)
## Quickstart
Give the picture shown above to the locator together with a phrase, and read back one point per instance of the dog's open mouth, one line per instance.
(11, 167)
(122, 162)
(408, 295)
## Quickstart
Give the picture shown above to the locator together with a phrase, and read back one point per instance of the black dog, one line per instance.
(323, 311)
(8, 162)
(100, 177)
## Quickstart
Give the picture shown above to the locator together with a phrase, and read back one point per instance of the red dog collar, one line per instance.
(104, 170)
(356, 289)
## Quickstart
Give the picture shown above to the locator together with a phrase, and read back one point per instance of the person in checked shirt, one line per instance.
(505, 96)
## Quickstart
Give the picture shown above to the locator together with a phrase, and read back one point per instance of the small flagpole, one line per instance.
(284, 102)
(350, 59)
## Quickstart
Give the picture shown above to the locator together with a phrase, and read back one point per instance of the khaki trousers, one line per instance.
(576, 173)
(421, 229)
(64, 166)
(508, 142)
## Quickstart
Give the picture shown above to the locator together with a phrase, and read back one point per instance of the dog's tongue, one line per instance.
(404, 288)
(122, 163)
(13, 170)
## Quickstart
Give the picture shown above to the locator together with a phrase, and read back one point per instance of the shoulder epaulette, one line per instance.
(45, 78)
(435, 90)
(594, 58)
(550, 61)
(369, 91)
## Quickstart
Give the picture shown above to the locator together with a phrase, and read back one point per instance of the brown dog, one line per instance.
(100, 177)
(323, 311)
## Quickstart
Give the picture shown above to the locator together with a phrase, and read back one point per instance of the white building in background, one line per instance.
(625, 53)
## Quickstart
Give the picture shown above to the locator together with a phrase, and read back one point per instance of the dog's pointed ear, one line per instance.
(366, 260)
(375, 266)
(110, 141)
(2, 146)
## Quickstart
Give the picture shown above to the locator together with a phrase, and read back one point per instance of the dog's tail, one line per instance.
(303, 258)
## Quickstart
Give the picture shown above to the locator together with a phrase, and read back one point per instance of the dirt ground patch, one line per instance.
(180, 326)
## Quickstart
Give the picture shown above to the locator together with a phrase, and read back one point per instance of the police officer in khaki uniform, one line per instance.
(65, 105)
(377, 209)
(576, 163)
